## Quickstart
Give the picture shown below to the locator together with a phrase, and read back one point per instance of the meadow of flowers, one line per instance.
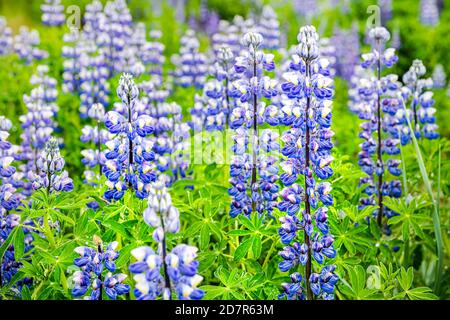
(187, 150)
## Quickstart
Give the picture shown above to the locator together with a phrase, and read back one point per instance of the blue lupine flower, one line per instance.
(347, 51)
(94, 159)
(26, 45)
(38, 125)
(306, 8)
(386, 10)
(163, 273)
(130, 155)
(6, 39)
(152, 54)
(429, 12)
(439, 77)
(253, 172)
(91, 281)
(421, 106)
(53, 13)
(210, 110)
(269, 28)
(306, 110)
(191, 65)
(115, 30)
(227, 35)
(379, 105)
(51, 174)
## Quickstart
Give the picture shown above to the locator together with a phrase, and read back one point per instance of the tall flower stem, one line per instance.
(99, 148)
(130, 141)
(164, 254)
(255, 135)
(100, 296)
(379, 153)
(308, 266)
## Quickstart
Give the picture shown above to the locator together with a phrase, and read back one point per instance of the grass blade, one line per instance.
(436, 214)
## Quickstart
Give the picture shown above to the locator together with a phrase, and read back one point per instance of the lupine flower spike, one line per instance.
(163, 273)
(90, 282)
(253, 171)
(306, 110)
(378, 106)
(51, 174)
(130, 156)
(421, 102)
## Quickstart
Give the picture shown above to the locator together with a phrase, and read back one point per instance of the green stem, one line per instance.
(48, 231)
(435, 212)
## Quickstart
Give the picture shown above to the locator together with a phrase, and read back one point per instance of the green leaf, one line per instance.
(246, 222)
(19, 244)
(26, 295)
(213, 292)
(256, 246)
(204, 237)
(8, 242)
(242, 249)
(239, 232)
(421, 293)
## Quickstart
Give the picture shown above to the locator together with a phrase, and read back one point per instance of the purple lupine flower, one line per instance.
(115, 30)
(6, 39)
(26, 46)
(306, 111)
(94, 158)
(253, 172)
(429, 12)
(386, 10)
(51, 174)
(439, 77)
(190, 64)
(53, 13)
(38, 125)
(227, 35)
(130, 155)
(163, 273)
(91, 281)
(378, 105)
(347, 51)
(421, 102)
(269, 28)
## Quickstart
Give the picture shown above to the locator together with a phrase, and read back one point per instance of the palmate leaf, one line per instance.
(242, 249)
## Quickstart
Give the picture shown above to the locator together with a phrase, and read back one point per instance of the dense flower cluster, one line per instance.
(208, 20)
(90, 282)
(191, 65)
(429, 12)
(306, 8)
(94, 158)
(114, 31)
(346, 51)
(421, 111)
(269, 28)
(38, 125)
(163, 273)
(130, 156)
(386, 10)
(6, 39)
(439, 77)
(306, 110)
(253, 170)
(53, 13)
(51, 174)
(8, 197)
(152, 54)
(379, 103)
(227, 35)
(26, 45)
